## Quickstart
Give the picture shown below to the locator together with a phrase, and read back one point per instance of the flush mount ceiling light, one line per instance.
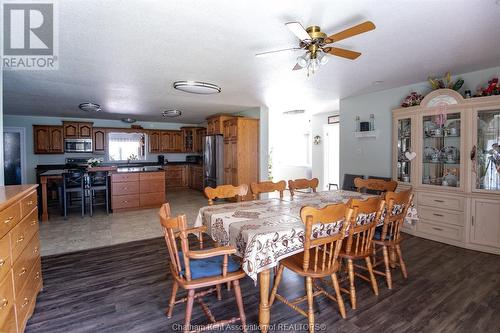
(90, 107)
(129, 120)
(292, 112)
(171, 113)
(196, 87)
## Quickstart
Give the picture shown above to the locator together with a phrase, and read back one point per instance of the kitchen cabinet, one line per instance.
(176, 176)
(48, 139)
(177, 142)
(154, 142)
(77, 130)
(199, 142)
(196, 177)
(444, 149)
(241, 151)
(137, 190)
(99, 140)
(215, 124)
(193, 139)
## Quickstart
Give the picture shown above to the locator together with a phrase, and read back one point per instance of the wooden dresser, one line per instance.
(20, 265)
(137, 190)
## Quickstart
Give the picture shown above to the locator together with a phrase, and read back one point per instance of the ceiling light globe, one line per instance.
(302, 61)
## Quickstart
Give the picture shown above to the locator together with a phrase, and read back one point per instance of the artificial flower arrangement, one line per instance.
(412, 99)
(445, 82)
(94, 161)
(493, 88)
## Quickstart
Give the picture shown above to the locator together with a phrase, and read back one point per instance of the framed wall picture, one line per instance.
(333, 119)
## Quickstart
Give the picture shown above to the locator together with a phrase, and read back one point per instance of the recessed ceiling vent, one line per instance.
(90, 107)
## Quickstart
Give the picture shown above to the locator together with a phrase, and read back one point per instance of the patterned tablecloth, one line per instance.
(266, 231)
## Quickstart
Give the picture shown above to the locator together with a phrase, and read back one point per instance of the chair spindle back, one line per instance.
(398, 204)
(225, 192)
(380, 186)
(267, 187)
(302, 184)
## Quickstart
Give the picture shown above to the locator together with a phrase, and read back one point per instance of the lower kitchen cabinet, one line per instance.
(184, 176)
(131, 191)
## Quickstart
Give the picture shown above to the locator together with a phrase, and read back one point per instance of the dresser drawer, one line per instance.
(28, 203)
(25, 300)
(8, 325)
(6, 297)
(21, 234)
(24, 264)
(152, 175)
(124, 177)
(9, 218)
(125, 201)
(440, 201)
(152, 199)
(440, 230)
(441, 216)
(5, 259)
(151, 186)
(125, 188)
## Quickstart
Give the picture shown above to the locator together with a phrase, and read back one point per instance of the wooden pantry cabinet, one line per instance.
(137, 190)
(447, 150)
(20, 265)
(241, 151)
(215, 123)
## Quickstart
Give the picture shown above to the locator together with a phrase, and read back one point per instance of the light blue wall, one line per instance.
(370, 156)
(32, 160)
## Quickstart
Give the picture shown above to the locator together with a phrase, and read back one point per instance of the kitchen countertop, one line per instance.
(59, 172)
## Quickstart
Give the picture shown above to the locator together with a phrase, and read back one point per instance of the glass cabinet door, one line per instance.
(403, 147)
(441, 150)
(487, 159)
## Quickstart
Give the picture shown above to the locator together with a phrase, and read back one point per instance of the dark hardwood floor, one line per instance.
(125, 288)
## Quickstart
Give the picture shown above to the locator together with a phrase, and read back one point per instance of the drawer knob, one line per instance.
(2, 262)
(30, 203)
(26, 301)
(35, 250)
(20, 239)
(37, 275)
(10, 218)
(34, 222)
(23, 271)
(4, 303)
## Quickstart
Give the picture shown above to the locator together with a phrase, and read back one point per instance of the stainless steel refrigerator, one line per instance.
(213, 161)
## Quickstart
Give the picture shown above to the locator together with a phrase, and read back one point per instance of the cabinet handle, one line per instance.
(20, 239)
(10, 218)
(35, 250)
(4, 303)
(30, 203)
(472, 220)
(34, 222)
(438, 200)
(23, 271)
(438, 229)
(26, 301)
(2, 262)
(436, 214)
(37, 275)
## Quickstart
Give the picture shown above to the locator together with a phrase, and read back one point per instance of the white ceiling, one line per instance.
(125, 55)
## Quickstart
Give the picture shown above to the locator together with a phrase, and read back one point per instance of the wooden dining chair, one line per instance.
(267, 187)
(358, 245)
(225, 192)
(375, 186)
(324, 230)
(195, 269)
(388, 237)
(302, 184)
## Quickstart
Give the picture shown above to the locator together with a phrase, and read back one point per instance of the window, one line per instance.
(294, 144)
(126, 146)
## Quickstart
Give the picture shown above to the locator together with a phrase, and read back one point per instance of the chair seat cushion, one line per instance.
(378, 234)
(201, 268)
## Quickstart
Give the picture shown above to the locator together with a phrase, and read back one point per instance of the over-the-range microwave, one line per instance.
(78, 145)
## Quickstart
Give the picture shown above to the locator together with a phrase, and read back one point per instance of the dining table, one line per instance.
(265, 231)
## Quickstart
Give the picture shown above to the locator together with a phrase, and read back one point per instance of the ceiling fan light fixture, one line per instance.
(197, 87)
(303, 60)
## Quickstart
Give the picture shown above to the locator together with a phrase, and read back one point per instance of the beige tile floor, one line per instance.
(60, 236)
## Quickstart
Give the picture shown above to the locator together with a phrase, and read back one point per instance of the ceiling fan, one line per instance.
(316, 44)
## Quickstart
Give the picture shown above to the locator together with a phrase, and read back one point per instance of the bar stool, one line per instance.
(73, 182)
(98, 181)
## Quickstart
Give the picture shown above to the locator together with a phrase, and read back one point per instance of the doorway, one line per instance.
(14, 155)
(331, 133)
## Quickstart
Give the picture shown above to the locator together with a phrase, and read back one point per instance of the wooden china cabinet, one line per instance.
(447, 149)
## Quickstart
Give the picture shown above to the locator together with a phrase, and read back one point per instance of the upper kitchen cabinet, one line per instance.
(76, 130)
(193, 139)
(215, 124)
(201, 132)
(154, 142)
(48, 139)
(99, 140)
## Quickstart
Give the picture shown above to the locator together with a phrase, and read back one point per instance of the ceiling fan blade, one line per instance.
(352, 31)
(298, 30)
(276, 51)
(297, 67)
(342, 52)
